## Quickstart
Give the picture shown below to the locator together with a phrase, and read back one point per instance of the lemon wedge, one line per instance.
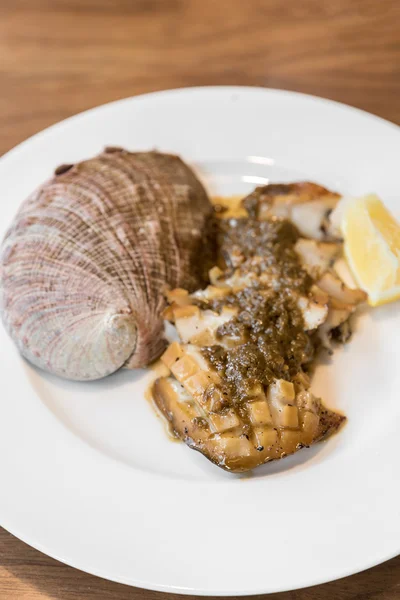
(372, 247)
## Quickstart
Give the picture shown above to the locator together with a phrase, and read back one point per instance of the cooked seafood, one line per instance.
(307, 205)
(238, 389)
(86, 260)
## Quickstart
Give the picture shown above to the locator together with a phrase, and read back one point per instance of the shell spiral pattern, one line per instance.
(85, 263)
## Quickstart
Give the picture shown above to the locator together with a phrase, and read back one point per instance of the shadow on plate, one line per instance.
(111, 382)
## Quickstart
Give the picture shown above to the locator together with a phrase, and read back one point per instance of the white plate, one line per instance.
(87, 472)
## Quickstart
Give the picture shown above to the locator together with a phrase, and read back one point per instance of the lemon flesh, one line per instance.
(372, 248)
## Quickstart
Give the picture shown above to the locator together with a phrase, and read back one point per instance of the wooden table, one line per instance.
(59, 57)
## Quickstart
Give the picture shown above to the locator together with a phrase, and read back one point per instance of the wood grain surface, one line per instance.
(59, 57)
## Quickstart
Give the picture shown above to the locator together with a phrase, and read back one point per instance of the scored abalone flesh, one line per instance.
(238, 388)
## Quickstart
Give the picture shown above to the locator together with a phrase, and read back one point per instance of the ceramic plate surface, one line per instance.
(88, 474)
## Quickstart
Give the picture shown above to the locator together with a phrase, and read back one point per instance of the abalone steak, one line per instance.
(238, 387)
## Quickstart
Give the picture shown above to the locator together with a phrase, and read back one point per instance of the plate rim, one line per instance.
(195, 88)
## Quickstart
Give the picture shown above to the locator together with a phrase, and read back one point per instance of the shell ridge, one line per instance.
(85, 263)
